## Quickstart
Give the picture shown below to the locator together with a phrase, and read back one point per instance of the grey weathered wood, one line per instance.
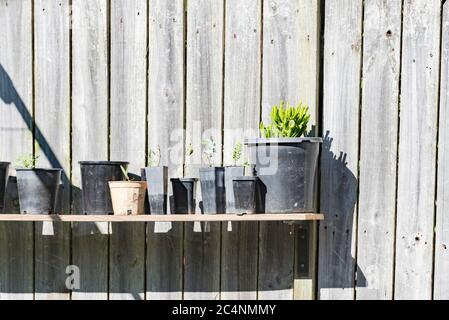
(339, 157)
(306, 249)
(128, 128)
(417, 149)
(16, 240)
(441, 279)
(378, 149)
(287, 217)
(165, 128)
(281, 81)
(52, 136)
(204, 88)
(241, 120)
(309, 34)
(90, 138)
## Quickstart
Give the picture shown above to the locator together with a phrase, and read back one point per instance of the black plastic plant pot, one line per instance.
(230, 173)
(245, 191)
(156, 178)
(213, 190)
(4, 176)
(184, 193)
(288, 172)
(38, 190)
(95, 176)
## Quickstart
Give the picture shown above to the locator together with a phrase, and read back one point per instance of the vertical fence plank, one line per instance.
(90, 136)
(441, 279)
(16, 239)
(241, 120)
(203, 121)
(281, 81)
(417, 149)
(165, 124)
(128, 127)
(309, 34)
(52, 137)
(339, 158)
(378, 149)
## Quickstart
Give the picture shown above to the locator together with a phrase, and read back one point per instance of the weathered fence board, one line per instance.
(165, 124)
(204, 109)
(417, 149)
(441, 279)
(378, 149)
(52, 138)
(241, 119)
(128, 128)
(16, 240)
(339, 158)
(90, 137)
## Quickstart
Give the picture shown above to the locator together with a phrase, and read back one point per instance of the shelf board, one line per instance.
(164, 218)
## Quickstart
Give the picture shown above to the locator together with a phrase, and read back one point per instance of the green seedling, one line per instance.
(237, 152)
(154, 157)
(210, 148)
(27, 161)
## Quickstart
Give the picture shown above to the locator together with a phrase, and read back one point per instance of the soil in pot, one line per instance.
(230, 173)
(95, 176)
(245, 191)
(128, 197)
(38, 190)
(4, 176)
(184, 193)
(156, 178)
(213, 190)
(288, 172)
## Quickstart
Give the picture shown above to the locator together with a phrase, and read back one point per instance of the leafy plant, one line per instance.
(28, 161)
(154, 157)
(237, 152)
(286, 121)
(125, 173)
(210, 148)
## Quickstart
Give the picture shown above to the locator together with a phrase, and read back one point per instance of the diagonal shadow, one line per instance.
(9, 95)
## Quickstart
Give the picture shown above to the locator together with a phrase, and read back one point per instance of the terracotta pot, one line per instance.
(128, 197)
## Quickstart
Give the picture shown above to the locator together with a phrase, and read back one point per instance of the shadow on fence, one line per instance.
(338, 199)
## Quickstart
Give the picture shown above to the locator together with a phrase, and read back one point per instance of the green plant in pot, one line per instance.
(157, 182)
(212, 180)
(232, 172)
(38, 188)
(4, 176)
(286, 161)
(128, 196)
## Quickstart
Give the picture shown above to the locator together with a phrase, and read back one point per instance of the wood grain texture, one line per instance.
(281, 81)
(288, 217)
(127, 127)
(90, 138)
(204, 110)
(16, 240)
(242, 94)
(339, 157)
(378, 149)
(417, 149)
(52, 138)
(309, 34)
(441, 279)
(165, 129)
(242, 73)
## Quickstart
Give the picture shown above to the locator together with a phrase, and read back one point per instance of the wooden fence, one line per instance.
(111, 79)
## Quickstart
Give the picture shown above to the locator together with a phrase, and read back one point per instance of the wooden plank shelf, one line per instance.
(164, 218)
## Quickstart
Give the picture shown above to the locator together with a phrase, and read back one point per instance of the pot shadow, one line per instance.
(338, 196)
